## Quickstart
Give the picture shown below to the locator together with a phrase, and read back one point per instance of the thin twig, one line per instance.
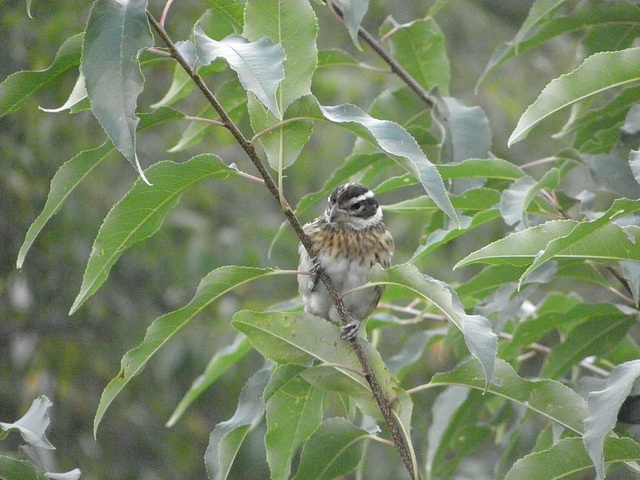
(383, 403)
(393, 64)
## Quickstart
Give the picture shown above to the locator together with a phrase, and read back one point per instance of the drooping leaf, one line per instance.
(211, 287)
(334, 450)
(293, 411)
(258, 64)
(465, 130)
(78, 94)
(599, 73)
(480, 339)
(227, 437)
(18, 87)
(517, 198)
(116, 34)
(222, 361)
(74, 171)
(568, 457)
(33, 424)
(603, 411)
(353, 13)
(394, 140)
(419, 46)
(549, 398)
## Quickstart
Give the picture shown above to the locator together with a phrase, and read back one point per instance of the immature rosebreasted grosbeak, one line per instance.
(348, 239)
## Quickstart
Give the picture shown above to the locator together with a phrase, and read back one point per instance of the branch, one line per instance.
(384, 404)
(393, 64)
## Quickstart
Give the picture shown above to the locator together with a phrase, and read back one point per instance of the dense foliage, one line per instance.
(506, 342)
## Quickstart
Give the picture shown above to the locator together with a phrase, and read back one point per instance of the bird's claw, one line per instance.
(350, 330)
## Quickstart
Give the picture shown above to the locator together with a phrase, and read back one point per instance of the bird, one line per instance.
(347, 240)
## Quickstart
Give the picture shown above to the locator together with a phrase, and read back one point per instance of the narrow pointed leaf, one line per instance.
(34, 423)
(480, 339)
(394, 140)
(334, 450)
(599, 73)
(78, 94)
(18, 87)
(221, 362)
(584, 230)
(603, 410)
(74, 171)
(568, 458)
(258, 64)
(549, 398)
(141, 213)
(293, 411)
(116, 33)
(227, 437)
(539, 10)
(211, 287)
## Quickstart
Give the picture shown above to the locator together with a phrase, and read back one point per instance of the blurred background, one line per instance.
(43, 350)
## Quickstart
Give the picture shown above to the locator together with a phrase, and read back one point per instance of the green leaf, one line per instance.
(479, 199)
(549, 398)
(568, 457)
(394, 140)
(181, 86)
(608, 243)
(517, 198)
(13, 469)
(140, 214)
(597, 336)
(481, 168)
(419, 46)
(19, 86)
(294, 412)
(599, 73)
(612, 172)
(480, 339)
(115, 35)
(336, 58)
(538, 12)
(603, 410)
(221, 362)
(299, 338)
(33, 424)
(258, 64)
(227, 437)
(334, 450)
(584, 231)
(74, 171)
(211, 287)
(223, 18)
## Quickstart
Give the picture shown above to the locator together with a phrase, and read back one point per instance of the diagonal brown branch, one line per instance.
(384, 404)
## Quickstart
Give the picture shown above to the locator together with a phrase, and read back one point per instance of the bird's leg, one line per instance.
(350, 330)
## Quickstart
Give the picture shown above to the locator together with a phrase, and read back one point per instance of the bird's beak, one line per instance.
(337, 215)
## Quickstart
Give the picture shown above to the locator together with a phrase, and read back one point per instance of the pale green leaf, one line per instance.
(211, 287)
(599, 73)
(78, 94)
(34, 423)
(116, 34)
(18, 87)
(603, 410)
(334, 450)
(353, 11)
(480, 339)
(258, 64)
(538, 12)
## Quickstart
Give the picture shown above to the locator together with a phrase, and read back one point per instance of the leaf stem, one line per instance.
(384, 404)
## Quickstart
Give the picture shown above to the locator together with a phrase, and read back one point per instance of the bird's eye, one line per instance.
(356, 206)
